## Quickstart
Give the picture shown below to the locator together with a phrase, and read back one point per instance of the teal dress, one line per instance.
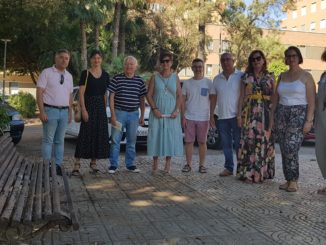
(165, 134)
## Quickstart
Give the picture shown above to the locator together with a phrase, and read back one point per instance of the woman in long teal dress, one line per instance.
(164, 132)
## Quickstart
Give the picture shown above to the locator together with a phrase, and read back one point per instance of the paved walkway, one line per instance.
(193, 208)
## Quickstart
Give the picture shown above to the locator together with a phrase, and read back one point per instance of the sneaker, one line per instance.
(112, 170)
(59, 171)
(133, 169)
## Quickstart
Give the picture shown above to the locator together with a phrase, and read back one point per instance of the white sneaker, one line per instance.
(112, 170)
(133, 169)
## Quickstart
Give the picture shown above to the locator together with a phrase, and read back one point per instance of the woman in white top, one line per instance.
(294, 102)
(321, 125)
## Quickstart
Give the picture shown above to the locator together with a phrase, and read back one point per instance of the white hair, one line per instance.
(130, 57)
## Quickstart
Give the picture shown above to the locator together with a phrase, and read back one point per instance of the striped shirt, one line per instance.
(128, 92)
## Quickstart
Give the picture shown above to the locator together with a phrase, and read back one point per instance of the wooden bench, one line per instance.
(33, 199)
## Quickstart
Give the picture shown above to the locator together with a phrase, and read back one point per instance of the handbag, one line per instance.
(77, 108)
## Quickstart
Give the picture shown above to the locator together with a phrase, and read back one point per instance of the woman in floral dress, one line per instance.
(256, 156)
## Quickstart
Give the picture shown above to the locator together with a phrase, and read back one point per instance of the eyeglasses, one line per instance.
(258, 58)
(289, 56)
(62, 79)
(165, 61)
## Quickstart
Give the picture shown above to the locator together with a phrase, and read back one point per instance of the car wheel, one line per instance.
(213, 139)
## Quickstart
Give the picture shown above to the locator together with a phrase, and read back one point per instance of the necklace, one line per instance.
(165, 81)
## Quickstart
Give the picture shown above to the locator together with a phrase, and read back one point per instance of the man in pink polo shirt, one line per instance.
(54, 100)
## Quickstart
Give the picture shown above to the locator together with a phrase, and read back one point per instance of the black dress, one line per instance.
(93, 137)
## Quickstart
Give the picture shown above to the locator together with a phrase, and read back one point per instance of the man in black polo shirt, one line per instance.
(127, 94)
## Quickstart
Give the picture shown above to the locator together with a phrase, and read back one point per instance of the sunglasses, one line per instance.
(62, 79)
(165, 61)
(258, 58)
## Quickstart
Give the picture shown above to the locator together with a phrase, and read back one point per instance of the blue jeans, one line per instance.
(230, 136)
(130, 122)
(54, 134)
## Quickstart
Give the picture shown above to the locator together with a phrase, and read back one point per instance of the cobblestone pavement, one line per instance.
(193, 208)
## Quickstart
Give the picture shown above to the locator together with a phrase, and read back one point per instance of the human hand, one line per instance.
(85, 115)
(141, 121)
(184, 122)
(212, 122)
(43, 116)
(239, 122)
(157, 113)
(307, 127)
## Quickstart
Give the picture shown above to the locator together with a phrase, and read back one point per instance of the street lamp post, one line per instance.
(4, 68)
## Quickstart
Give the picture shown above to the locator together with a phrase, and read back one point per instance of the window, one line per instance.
(294, 28)
(313, 7)
(323, 24)
(323, 4)
(209, 70)
(312, 26)
(14, 88)
(225, 46)
(303, 11)
(294, 14)
(210, 46)
(303, 27)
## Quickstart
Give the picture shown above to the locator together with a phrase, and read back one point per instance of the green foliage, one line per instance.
(24, 103)
(277, 67)
(115, 67)
(244, 27)
(4, 119)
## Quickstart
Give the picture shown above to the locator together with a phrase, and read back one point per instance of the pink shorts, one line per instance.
(196, 128)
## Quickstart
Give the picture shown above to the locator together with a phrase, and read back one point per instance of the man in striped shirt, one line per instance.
(127, 95)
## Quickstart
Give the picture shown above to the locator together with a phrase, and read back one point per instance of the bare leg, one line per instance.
(155, 165)
(189, 151)
(77, 164)
(202, 153)
(167, 167)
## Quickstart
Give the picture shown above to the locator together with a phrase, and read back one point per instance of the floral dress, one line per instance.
(256, 156)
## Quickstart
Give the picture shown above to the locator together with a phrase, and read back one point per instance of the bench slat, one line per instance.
(22, 197)
(30, 198)
(47, 190)
(15, 193)
(55, 191)
(4, 167)
(38, 194)
(73, 216)
(11, 171)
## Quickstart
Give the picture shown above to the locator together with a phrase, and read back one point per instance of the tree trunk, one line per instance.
(201, 29)
(83, 51)
(116, 24)
(97, 35)
(122, 31)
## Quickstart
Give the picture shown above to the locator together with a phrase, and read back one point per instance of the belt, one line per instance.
(127, 109)
(56, 107)
(259, 97)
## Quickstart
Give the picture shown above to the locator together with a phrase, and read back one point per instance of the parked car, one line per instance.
(142, 131)
(310, 137)
(16, 125)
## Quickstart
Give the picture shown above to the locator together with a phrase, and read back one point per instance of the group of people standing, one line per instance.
(253, 111)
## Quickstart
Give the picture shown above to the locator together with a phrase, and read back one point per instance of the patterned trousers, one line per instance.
(289, 122)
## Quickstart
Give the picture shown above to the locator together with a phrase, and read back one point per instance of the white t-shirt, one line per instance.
(197, 98)
(228, 92)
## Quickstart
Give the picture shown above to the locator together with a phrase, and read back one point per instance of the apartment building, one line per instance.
(306, 16)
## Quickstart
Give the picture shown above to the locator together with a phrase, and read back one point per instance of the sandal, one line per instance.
(93, 167)
(322, 191)
(284, 186)
(202, 170)
(75, 171)
(186, 168)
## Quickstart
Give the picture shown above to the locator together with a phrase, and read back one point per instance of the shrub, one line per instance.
(24, 103)
(4, 120)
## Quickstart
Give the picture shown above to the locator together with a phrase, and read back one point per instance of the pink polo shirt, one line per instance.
(55, 94)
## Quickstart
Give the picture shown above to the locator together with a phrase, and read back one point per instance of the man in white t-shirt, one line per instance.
(197, 93)
(227, 89)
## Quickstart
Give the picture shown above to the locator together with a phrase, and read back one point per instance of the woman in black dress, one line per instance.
(93, 138)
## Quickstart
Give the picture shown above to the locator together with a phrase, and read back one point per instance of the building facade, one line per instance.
(306, 16)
